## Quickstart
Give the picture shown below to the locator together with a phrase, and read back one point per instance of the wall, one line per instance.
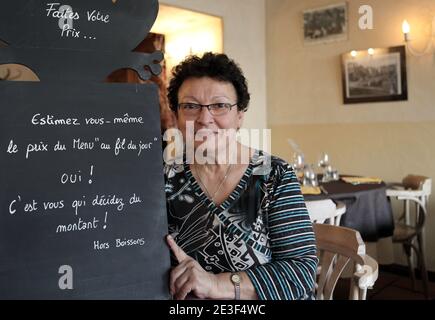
(389, 139)
(187, 32)
(244, 41)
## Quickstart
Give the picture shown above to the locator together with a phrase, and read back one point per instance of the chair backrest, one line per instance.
(337, 247)
(416, 182)
(325, 211)
(423, 187)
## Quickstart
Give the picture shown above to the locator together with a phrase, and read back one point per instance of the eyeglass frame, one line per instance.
(229, 107)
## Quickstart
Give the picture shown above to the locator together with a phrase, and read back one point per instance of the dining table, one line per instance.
(368, 209)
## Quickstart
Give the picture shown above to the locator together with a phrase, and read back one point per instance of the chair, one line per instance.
(337, 247)
(325, 211)
(409, 228)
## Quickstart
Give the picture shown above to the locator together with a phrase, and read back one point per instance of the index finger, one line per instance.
(180, 255)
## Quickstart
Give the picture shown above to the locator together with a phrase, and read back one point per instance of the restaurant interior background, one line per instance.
(296, 89)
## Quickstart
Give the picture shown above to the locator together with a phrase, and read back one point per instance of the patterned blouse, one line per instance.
(262, 228)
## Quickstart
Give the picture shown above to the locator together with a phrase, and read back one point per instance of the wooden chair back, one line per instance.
(414, 182)
(337, 247)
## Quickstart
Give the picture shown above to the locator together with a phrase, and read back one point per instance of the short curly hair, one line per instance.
(213, 65)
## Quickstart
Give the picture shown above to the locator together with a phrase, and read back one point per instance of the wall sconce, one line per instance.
(406, 29)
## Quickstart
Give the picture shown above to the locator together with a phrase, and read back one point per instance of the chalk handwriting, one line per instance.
(119, 243)
(83, 208)
(84, 145)
(69, 32)
(79, 225)
(122, 144)
(109, 200)
(77, 204)
(94, 121)
(119, 145)
(36, 147)
(50, 120)
(18, 204)
(75, 177)
(127, 119)
(50, 205)
(59, 147)
(64, 12)
(96, 16)
(12, 148)
(71, 177)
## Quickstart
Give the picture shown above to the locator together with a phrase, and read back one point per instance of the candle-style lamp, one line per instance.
(406, 28)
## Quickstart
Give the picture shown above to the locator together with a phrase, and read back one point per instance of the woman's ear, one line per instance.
(240, 118)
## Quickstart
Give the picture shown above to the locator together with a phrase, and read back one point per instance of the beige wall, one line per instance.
(244, 41)
(389, 139)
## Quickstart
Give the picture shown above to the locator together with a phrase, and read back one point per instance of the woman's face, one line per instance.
(207, 91)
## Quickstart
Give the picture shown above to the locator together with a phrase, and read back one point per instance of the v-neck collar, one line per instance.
(234, 195)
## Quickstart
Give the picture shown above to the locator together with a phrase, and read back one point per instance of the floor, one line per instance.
(389, 286)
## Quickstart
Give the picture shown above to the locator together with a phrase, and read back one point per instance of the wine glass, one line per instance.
(299, 164)
(323, 160)
(333, 174)
(298, 161)
(324, 164)
(310, 177)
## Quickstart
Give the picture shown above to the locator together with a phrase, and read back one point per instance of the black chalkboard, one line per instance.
(102, 25)
(82, 203)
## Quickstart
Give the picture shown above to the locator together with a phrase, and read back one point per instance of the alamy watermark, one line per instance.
(366, 19)
(220, 146)
(66, 280)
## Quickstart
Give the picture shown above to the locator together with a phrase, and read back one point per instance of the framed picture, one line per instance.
(325, 24)
(374, 75)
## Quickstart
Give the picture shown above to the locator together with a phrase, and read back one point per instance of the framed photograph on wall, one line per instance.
(374, 75)
(326, 24)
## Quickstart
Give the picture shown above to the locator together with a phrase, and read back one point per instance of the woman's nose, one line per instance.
(205, 116)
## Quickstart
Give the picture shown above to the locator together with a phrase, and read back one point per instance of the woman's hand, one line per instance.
(189, 276)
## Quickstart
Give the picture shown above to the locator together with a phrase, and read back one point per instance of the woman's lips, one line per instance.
(205, 131)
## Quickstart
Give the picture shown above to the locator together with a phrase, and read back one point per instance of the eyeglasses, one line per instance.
(216, 109)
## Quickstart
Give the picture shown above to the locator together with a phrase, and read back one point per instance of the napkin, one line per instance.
(310, 190)
(361, 180)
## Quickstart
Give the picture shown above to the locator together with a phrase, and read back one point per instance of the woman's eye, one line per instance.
(190, 106)
(219, 106)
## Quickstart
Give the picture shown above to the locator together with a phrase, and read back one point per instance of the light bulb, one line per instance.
(353, 53)
(405, 27)
(371, 51)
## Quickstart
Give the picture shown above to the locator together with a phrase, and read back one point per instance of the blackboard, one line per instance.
(82, 203)
(103, 25)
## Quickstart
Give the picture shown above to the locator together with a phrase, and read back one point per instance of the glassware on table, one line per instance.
(323, 160)
(334, 175)
(299, 164)
(310, 177)
(324, 164)
(330, 174)
(298, 160)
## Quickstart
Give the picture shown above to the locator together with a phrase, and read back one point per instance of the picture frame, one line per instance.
(326, 24)
(374, 75)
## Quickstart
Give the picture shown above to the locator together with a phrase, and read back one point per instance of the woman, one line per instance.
(236, 231)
